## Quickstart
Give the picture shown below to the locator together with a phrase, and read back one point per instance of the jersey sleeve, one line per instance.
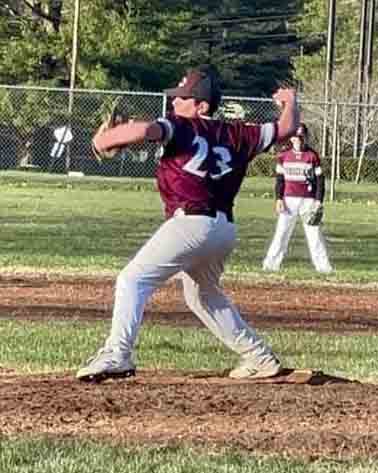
(317, 165)
(319, 177)
(279, 166)
(279, 186)
(259, 138)
(168, 128)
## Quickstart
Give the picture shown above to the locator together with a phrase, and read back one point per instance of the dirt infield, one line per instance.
(311, 416)
(326, 309)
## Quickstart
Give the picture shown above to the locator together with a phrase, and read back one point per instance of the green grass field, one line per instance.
(66, 456)
(89, 225)
(93, 226)
(29, 349)
(69, 456)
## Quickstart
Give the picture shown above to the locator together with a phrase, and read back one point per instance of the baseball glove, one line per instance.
(112, 119)
(314, 215)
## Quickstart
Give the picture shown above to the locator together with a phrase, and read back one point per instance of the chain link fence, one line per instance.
(345, 136)
(37, 132)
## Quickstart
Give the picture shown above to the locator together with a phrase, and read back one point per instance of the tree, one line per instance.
(118, 46)
(343, 90)
(312, 23)
(30, 48)
(251, 46)
(122, 44)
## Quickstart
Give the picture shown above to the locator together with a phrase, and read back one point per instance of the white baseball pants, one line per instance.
(295, 207)
(197, 246)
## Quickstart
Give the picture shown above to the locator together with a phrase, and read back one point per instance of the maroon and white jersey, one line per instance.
(299, 169)
(204, 161)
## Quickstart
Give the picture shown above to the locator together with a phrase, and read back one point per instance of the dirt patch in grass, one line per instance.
(330, 418)
(329, 309)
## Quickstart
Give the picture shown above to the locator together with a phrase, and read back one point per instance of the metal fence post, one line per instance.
(164, 111)
(329, 70)
(334, 153)
(74, 59)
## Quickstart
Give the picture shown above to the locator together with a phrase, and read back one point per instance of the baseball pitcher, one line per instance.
(199, 175)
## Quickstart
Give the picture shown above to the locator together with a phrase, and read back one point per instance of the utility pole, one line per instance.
(75, 51)
(329, 70)
(361, 75)
(364, 89)
(369, 50)
(75, 55)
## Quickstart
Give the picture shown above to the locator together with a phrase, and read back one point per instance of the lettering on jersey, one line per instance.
(223, 158)
(294, 171)
(196, 164)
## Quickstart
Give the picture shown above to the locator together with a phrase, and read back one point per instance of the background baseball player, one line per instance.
(199, 174)
(300, 189)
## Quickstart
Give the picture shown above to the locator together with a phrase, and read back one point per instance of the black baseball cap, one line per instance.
(302, 130)
(201, 83)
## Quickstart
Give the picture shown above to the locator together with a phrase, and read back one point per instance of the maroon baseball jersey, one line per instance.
(204, 161)
(299, 169)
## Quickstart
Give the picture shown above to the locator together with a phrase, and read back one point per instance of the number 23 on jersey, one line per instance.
(221, 155)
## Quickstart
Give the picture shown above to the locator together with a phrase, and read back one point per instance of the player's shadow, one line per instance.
(286, 376)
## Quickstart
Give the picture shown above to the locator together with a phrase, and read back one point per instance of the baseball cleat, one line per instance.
(251, 368)
(108, 363)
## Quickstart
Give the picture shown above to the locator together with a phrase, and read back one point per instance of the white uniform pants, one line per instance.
(295, 207)
(198, 246)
